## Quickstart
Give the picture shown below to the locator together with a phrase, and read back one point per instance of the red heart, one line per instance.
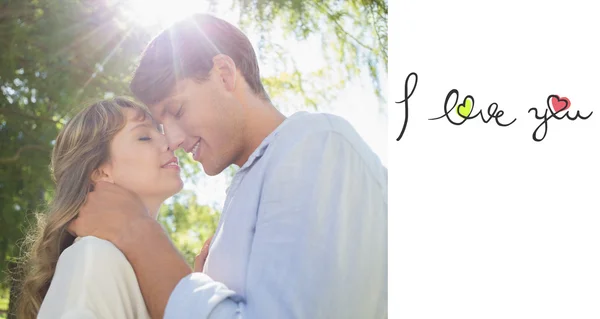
(560, 103)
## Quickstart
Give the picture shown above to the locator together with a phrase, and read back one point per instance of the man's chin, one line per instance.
(211, 171)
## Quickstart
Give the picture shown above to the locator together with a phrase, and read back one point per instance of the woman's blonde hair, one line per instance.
(81, 147)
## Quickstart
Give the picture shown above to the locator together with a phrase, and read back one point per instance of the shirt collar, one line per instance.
(260, 150)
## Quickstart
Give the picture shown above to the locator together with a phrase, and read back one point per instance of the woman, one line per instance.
(114, 141)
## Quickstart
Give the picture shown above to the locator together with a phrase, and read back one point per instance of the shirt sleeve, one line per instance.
(93, 279)
(320, 243)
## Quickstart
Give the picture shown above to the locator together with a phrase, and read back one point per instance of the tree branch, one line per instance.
(341, 28)
(381, 44)
(14, 158)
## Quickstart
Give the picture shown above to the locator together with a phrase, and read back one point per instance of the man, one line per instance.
(303, 232)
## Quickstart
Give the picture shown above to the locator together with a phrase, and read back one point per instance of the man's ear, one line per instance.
(102, 174)
(225, 69)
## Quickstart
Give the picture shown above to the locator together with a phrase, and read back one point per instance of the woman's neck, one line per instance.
(152, 206)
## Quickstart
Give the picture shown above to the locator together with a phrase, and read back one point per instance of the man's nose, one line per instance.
(174, 135)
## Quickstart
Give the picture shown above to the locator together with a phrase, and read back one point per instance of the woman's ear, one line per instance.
(102, 174)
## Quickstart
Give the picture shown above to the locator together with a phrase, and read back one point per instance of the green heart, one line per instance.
(465, 109)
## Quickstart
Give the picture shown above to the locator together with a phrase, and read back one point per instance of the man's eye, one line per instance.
(145, 138)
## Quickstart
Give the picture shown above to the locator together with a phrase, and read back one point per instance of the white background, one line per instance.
(484, 222)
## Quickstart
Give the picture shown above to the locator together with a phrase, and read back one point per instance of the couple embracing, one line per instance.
(303, 231)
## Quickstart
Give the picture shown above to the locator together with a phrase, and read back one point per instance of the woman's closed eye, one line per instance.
(179, 112)
(145, 138)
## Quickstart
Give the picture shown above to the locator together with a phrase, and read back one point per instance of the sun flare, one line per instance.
(161, 12)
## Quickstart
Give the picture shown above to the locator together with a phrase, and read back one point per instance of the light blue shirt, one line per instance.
(303, 232)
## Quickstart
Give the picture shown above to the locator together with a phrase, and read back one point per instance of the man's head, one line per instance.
(196, 77)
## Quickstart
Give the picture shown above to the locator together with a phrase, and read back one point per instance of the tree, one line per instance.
(353, 35)
(56, 55)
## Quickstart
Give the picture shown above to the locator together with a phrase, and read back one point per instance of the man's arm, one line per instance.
(157, 263)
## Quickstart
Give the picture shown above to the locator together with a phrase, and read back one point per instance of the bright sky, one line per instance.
(357, 102)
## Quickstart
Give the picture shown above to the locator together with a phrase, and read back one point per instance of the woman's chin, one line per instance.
(177, 187)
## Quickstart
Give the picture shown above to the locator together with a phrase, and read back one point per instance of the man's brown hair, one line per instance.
(185, 50)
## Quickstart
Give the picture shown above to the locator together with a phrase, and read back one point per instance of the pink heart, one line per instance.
(560, 103)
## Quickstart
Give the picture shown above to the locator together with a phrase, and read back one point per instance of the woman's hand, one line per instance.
(201, 258)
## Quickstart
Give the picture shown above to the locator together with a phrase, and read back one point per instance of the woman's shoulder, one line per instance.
(101, 245)
(93, 241)
(94, 249)
(94, 264)
(94, 274)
